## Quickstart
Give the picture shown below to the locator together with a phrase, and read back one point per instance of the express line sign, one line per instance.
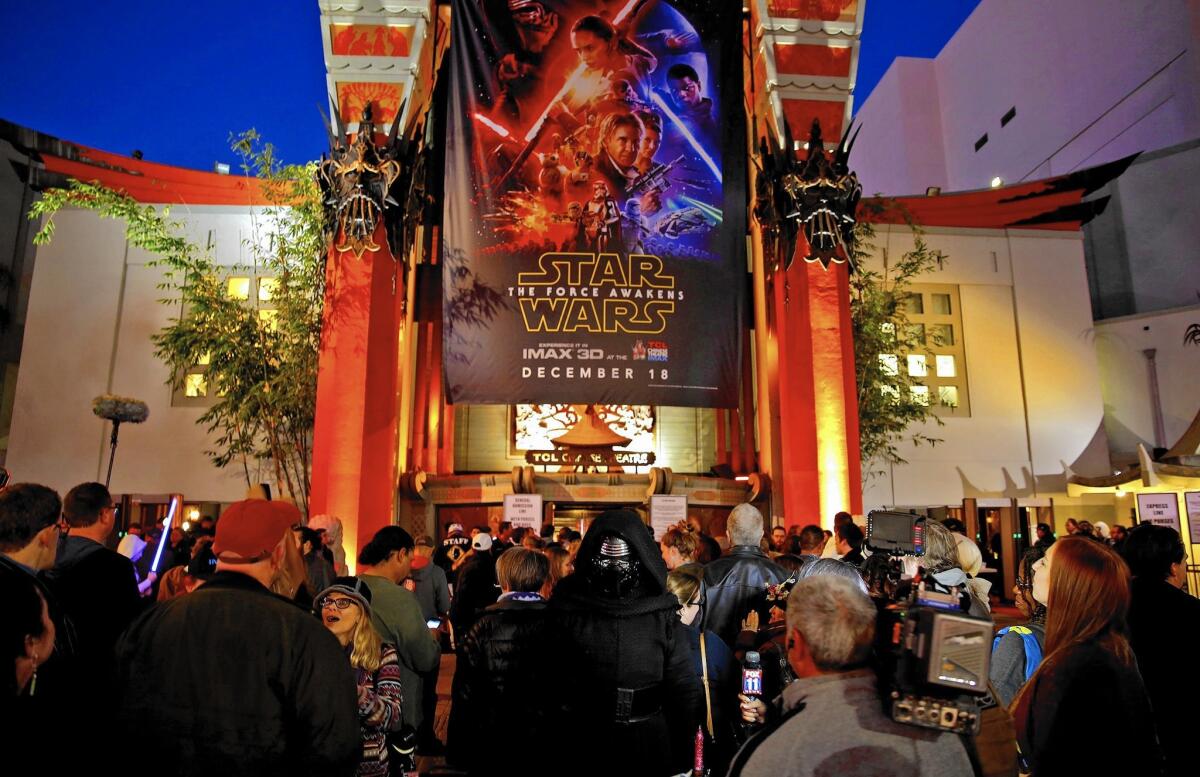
(1162, 509)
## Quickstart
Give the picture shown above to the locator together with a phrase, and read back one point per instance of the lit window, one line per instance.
(269, 318)
(940, 362)
(889, 363)
(941, 334)
(238, 288)
(195, 384)
(920, 394)
(267, 289)
(890, 393)
(914, 305)
(916, 333)
(205, 360)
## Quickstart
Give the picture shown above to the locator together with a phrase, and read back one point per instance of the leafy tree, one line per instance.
(262, 370)
(887, 408)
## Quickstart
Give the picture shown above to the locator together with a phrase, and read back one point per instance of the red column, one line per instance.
(354, 436)
(835, 402)
(820, 472)
(797, 472)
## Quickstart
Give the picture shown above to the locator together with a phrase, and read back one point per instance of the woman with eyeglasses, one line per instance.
(1089, 679)
(345, 609)
(720, 681)
(1017, 650)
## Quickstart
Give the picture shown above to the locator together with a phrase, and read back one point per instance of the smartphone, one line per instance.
(433, 623)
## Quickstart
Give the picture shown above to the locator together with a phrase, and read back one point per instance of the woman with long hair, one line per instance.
(345, 609)
(561, 565)
(1088, 679)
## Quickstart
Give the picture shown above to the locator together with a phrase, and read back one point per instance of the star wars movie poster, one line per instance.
(594, 225)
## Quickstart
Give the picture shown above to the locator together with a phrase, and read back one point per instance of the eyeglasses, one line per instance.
(329, 601)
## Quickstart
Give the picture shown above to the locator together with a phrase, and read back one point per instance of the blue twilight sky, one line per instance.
(174, 78)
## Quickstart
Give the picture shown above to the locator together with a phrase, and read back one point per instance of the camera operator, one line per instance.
(943, 569)
(830, 718)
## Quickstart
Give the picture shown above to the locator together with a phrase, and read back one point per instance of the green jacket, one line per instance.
(396, 615)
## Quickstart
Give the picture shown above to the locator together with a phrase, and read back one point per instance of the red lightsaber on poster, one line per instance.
(165, 537)
(535, 132)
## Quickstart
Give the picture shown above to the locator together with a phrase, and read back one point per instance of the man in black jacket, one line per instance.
(1164, 626)
(96, 585)
(477, 587)
(234, 680)
(737, 582)
(502, 670)
(98, 590)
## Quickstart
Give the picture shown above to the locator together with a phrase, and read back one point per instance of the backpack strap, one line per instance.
(1029, 640)
(707, 692)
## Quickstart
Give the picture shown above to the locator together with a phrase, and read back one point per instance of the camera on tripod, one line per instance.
(933, 657)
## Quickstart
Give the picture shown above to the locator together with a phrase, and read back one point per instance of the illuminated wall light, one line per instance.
(997, 182)
(742, 478)
(1120, 491)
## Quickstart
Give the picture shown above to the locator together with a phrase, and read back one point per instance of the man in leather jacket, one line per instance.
(737, 582)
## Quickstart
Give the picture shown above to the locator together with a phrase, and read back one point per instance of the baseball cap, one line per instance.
(352, 587)
(482, 542)
(249, 530)
(203, 565)
(455, 528)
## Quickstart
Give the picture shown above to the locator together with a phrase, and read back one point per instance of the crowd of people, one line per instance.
(256, 652)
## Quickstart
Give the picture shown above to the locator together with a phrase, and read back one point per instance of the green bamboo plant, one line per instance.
(888, 412)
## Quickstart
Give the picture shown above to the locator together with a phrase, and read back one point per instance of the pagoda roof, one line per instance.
(1055, 203)
(53, 163)
(1050, 203)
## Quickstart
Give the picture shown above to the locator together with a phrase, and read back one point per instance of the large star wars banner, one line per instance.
(594, 225)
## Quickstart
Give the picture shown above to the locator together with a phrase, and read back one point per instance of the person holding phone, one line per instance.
(428, 583)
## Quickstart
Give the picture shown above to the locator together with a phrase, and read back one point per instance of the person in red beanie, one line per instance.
(234, 679)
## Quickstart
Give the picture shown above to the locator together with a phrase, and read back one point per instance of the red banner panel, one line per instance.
(800, 114)
(353, 96)
(803, 59)
(370, 40)
(820, 10)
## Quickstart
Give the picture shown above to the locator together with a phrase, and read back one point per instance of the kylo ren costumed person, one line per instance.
(626, 667)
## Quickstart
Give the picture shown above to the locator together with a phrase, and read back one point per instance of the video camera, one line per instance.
(932, 656)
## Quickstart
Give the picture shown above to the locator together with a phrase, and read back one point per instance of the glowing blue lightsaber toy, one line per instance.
(166, 534)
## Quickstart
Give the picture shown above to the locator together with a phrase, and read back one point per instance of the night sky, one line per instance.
(175, 78)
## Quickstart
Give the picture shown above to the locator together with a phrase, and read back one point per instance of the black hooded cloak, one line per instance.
(624, 668)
